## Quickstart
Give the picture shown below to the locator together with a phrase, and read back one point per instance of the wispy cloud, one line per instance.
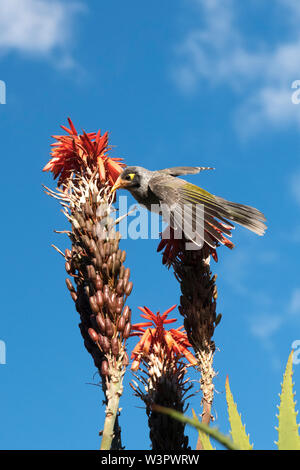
(262, 74)
(264, 326)
(41, 28)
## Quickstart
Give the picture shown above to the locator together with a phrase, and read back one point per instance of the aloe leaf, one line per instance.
(204, 438)
(288, 432)
(238, 431)
(195, 423)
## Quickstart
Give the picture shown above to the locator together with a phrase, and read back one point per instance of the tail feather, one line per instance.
(246, 216)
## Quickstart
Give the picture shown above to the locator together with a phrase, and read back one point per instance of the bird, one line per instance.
(162, 191)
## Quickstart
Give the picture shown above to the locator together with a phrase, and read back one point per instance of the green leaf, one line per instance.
(213, 432)
(238, 431)
(204, 438)
(288, 433)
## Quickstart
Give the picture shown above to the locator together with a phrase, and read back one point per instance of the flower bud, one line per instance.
(112, 302)
(93, 246)
(126, 275)
(120, 302)
(100, 245)
(89, 226)
(109, 330)
(115, 346)
(107, 248)
(91, 272)
(69, 285)
(128, 288)
(121, 323)
(99, 298)
(98, 282)
(93, 335)
(126, 313)
(106, 294)
(68, 267)
(101, 323)
(121, 273)
(126, 331)
(125, 359)
(119, 288)
(105, 344)
(100, 340)
(104, 368)
(93, 304)
(74, 296)
(88, 210)
(98, 261)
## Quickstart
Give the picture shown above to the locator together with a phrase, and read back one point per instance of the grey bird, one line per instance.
(161, 189)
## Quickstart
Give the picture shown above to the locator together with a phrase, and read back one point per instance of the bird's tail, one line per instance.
(246, 216)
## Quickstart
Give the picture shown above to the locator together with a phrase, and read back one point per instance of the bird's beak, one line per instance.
(120, 184)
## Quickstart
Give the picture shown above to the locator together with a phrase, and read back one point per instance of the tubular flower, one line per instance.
(161, 377)
(173, 248)
(172, 344)
(82, 154)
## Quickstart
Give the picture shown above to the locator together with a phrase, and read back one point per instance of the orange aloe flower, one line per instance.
(173, 248)
(73, 153)
(173, 343)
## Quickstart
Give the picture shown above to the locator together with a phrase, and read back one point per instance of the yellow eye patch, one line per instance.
(131, 176)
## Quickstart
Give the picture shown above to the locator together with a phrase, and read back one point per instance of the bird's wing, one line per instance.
(216, 206)
(181, 195)
(184, 170)
(186, 216)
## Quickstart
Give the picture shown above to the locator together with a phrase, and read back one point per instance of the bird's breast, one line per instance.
(147, 199)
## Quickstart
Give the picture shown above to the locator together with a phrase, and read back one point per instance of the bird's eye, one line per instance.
(130, 176)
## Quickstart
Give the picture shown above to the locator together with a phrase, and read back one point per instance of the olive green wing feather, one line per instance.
(216, 206)
(179, 194)
(184, 215)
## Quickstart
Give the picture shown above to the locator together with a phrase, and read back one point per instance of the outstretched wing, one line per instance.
(184, 170)
(187, 215)
(181, 196)
(216, 206)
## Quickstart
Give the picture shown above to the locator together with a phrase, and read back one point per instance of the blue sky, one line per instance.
(194, 82)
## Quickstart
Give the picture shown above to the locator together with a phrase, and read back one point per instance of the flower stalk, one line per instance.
(159, 358)
(198, 308)
(95, 262)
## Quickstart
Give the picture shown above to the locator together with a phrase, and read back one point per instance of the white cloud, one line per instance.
(37, 27)
(216, 52)
(264, 326)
